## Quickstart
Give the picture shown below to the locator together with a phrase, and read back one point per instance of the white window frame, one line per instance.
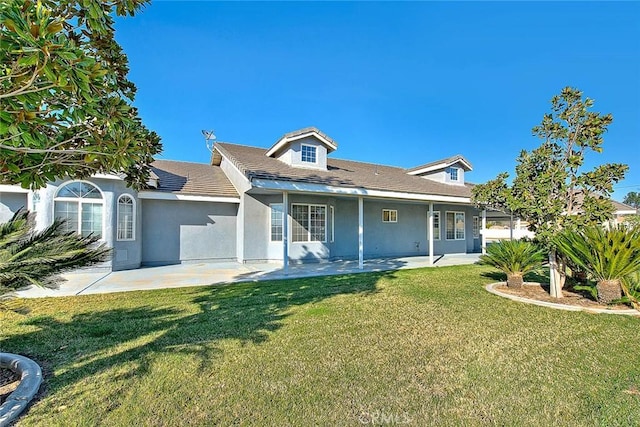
(271, 212)
(315, 153)
(392, 213)
(439, 228)
(450, 172)
(333, 223)
(455, 230)
(81, 201)
(133, 219)
(476, 227)
(308, 226)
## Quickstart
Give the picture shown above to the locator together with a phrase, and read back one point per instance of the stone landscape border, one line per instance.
(30, 380)
(492, 289)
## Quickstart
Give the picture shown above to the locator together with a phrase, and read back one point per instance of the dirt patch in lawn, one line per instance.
(9, 381)
(540, 292)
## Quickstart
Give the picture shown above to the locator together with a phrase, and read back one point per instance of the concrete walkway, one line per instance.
(181, 275)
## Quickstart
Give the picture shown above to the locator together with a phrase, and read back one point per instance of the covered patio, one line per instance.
(202, 274)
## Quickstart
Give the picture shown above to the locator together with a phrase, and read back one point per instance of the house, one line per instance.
(252, 204)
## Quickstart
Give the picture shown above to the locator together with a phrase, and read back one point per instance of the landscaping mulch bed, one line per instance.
(540, 292)
(9, 381)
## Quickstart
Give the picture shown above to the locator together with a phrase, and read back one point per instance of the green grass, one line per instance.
(426, 346)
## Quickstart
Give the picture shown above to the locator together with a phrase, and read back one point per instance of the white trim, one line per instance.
(430, 232)
(440, 166)
(627, 212)
(156, 195)
(283, 141)
(391, 211)
(80, 201)
(108, 176)
(4, 188)
(476, 222)
(271, 210)
(439, 214)
(285, 232)
(464, 230)
(328, 189)
(308, 205)
(133, 219)
(360, 233)
(333, 223)
(315, 153)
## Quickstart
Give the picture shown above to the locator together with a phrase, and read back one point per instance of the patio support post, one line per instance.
(285, 232)
(360, 233)
(510, 225)
(430, 233)
(518, 227)
(484, 228)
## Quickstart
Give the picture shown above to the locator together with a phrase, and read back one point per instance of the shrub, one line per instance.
(29, 257)
(515, 258)
(608, 255)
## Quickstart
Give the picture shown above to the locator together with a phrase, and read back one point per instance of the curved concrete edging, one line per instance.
(491, 288)
(30, 380)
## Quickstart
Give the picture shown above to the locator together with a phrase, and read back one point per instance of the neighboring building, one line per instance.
(234, 208)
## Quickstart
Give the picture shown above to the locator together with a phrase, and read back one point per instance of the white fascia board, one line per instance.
(428, 169)
(329, 189)
(626, 212)
(278, 145)
(440, 166)
(108, 176)
(13, 189)
(157, 195)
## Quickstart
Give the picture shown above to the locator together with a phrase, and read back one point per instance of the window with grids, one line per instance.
(476, 227)
(309, 223)
(389, 215)
(436, 225)
(126, 218)
(80, 204)
(453, 174)
(277, 214)
(455, 225)
(308, 154)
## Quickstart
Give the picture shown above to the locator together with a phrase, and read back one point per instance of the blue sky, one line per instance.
(398, 83)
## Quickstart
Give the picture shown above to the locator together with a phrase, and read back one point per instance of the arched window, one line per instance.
(81, 204)
(126, 218)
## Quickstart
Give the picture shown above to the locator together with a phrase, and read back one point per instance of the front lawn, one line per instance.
(419, 347)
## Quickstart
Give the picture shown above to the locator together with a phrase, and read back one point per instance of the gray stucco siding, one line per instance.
(293, 154)
(10, 203)
(182, 231)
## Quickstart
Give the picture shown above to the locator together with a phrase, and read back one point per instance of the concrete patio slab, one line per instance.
(181, 275)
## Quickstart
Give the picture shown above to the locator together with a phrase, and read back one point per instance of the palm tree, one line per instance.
(608, 255)
(515, 258)
(29, 257)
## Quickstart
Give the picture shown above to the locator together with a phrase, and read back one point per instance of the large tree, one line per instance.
(65, 100)
(632, 199)
(550, 191)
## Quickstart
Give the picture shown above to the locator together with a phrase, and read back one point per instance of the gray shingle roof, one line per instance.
(253, 162)
(199, 179)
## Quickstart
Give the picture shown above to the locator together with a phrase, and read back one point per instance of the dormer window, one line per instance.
(452, 174)
(308, 154)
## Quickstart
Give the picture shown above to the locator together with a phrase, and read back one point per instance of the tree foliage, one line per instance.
(65, 100)
(632, 199)
(550, 191)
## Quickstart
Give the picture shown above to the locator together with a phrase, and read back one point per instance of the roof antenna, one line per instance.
(209, 137)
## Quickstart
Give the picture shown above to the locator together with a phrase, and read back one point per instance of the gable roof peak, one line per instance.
(440, 164)
(300, 134)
